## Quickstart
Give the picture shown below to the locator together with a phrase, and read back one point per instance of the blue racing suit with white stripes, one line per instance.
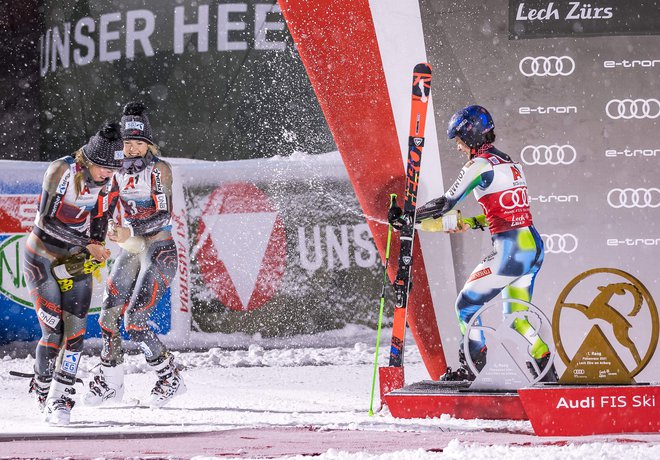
(499, 185)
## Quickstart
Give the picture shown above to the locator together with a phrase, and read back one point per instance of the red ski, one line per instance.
(421, 90)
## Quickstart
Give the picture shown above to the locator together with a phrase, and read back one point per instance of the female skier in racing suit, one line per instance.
(144, 269)
(500, 187)
(71, 220)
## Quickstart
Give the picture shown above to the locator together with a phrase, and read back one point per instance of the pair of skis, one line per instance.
(421, 90)
(392, 377)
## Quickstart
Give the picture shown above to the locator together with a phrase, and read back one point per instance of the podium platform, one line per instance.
(553, 409)
(430, 398)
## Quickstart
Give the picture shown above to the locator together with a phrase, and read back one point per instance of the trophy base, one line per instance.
(430, 398)
(582, 410)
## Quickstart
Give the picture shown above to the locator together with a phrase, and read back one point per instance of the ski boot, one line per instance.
(169, 384)
(551, 376)
(464, 373)
(106, 387)
(39, 386)
(59, 403)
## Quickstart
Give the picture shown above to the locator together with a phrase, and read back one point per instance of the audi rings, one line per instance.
(550, 66)
(548, 154)
(634, 197)
(515, 198)
(556, 243)
(628, 109)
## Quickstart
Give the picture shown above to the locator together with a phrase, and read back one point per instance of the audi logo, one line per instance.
(548, 154)
(634, 197)
(515, 198)
(542, 66)
(556, 243)
(628, 109)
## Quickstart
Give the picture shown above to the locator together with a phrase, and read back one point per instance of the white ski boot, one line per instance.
(107, 387)
(40, 387)
(59, 403)
(169, 384)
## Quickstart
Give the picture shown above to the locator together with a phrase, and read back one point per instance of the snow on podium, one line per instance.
(596, 393)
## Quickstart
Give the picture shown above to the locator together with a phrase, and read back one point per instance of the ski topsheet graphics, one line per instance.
(421, 89)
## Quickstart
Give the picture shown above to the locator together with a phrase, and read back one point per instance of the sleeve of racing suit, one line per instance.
(56, 181)
(476, 222)
(161, 192)
(475, 172)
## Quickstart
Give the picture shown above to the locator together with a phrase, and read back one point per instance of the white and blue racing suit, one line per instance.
(499, 185)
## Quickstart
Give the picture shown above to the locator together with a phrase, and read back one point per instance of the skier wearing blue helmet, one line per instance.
(473, 125)
(500, 187)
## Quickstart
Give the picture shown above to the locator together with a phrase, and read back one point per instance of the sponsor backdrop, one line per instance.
(222, 80)
(580, 110)
(573, 88)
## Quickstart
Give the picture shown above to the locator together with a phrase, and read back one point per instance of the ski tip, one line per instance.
(423, 67)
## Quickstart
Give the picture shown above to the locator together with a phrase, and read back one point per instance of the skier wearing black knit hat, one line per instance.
(142, 195)
(70, 225)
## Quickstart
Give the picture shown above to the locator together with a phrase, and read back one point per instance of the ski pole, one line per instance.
(382, 305)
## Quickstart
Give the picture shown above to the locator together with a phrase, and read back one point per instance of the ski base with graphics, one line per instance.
(421, 89)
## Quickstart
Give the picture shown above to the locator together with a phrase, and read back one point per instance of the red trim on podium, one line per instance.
(390, 379)
(465, 405)
(588, 410)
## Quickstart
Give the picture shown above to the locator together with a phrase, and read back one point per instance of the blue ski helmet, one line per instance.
(471, 125)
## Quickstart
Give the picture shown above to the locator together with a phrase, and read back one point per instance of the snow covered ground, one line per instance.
(276, 403)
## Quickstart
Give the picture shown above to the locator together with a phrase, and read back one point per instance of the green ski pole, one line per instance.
(382, 306)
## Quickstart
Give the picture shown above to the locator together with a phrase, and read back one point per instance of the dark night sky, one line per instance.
(19, 77)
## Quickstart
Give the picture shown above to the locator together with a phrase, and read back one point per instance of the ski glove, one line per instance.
(432, 210)
(395, 217)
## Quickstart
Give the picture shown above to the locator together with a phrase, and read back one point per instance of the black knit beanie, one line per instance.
(105, 148)
(135, 124)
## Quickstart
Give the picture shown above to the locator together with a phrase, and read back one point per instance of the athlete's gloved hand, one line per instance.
(395, 217)
(431, 210)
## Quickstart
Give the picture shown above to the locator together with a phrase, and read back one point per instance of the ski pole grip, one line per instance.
(392, 200)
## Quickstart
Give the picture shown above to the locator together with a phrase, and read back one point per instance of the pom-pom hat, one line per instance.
(105, 148)
(135, 124)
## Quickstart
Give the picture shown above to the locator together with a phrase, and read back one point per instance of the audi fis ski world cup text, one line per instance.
(605, 401)
(569, 12)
